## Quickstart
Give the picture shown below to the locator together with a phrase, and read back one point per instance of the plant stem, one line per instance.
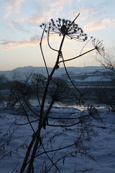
(77, 56)
(40, 124)
(49, 79)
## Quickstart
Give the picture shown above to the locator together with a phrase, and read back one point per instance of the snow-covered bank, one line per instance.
(94, 154)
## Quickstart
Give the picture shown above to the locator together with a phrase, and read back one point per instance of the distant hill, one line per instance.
(23, 72)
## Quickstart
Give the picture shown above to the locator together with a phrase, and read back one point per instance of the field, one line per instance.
(93, 152)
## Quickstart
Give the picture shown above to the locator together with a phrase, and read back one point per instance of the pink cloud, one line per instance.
(13, 5)
(8, 45)
(34, 41)
(58, 2)
(61, 2)
(96, 25)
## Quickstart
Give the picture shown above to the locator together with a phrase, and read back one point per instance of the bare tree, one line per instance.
(107, 94)
(108, 61)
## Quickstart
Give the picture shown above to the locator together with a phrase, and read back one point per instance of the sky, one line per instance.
(20, 30)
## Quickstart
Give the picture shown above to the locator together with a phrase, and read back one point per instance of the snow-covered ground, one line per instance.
(94, 152)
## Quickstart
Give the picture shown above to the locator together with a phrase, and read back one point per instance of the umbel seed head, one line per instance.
(67, 28)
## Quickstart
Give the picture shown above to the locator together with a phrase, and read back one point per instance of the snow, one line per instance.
(97, 78)
(14, 139)
(94, 79)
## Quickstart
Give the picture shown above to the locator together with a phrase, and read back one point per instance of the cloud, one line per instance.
(36, 19)
(58, 2)
(85, 13)
(61, 2)
(8, 45)
(97, 25)
(55, 3)
(17, 25)
(13, 5)
(33, 41)
(45, 11)
(44, 17)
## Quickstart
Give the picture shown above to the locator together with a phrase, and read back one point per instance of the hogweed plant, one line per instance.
(71, 30)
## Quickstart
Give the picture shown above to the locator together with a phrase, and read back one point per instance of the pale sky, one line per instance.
(20, 32)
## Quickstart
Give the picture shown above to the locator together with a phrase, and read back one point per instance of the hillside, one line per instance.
(22, 72)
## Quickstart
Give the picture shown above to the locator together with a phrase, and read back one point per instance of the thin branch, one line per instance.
(67, 154)
(38, 98)
(12, 150)
(42, 51)
(70, 78)
(85, 45)
(50, 158)
(69, 125)
(77, 56)
(49, 42)
(75, 19)
(55, 118)
(47, 113)
(27, 104)
(57, 149)
(26, 114)
(22, 124)
(62, 118)
(27, 155)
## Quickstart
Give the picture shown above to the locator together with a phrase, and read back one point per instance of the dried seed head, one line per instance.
(98, 46)
(67, 28)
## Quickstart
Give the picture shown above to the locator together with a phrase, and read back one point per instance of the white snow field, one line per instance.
(94, 151)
